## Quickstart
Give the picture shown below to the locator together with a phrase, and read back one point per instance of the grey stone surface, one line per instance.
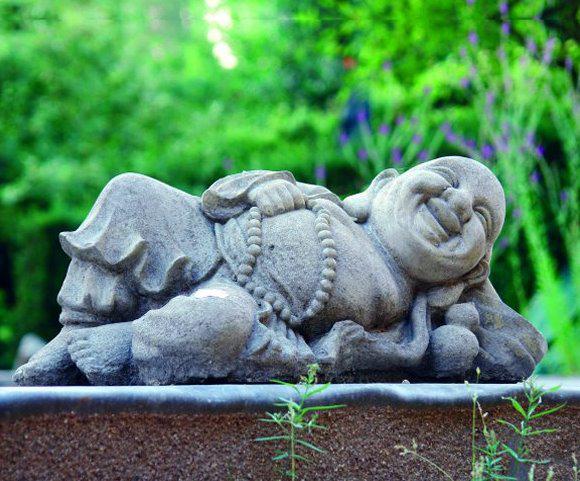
(22, 401)
(263, 275)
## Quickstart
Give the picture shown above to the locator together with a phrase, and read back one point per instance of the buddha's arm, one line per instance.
(277, 192)
(348, 346)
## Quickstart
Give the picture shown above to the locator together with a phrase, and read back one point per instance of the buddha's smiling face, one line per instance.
(440, 218)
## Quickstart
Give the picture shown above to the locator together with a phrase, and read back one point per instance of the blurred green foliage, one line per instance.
(333, 90)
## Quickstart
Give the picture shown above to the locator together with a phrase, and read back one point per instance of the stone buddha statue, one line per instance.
(264, 275)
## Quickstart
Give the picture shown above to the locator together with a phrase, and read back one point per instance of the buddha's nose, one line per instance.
(461, 202)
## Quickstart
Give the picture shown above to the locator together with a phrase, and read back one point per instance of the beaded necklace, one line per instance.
(271, 303)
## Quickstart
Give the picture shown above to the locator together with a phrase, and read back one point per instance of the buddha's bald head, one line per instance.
(441, 218)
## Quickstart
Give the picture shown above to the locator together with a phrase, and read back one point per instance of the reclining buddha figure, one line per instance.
(264, 275)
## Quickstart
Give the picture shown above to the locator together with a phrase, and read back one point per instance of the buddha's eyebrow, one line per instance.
(447, 174)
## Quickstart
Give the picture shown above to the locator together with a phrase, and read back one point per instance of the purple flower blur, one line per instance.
(564, 196)
(396, 156)
(228, 164)
(361, 116)
(487, 151)
(568, 64)
(470, 2)
(417, 139)
(489, 98)
(343, 138)
(535, 177)
(400, 120)
(549, 50)
(362, 154)
(540, 151)
(504, 243)
(464, 82)
(517, 213)
(446, 127)
(450, 137)
(501, 53)
(320, 173)
(387, 65)
(503, 8)
(384, 129)
(463, 52)
(423, 155)
(505, 28)
(470, 143)
(427, 90)
(472, 37)
(531, 46)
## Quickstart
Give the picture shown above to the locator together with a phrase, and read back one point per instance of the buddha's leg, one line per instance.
(194, 337)
(51, 366)
(90, 296)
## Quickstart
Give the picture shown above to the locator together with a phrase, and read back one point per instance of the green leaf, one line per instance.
(300, 458)
(280, 456)
(517, 406)
(514, 427)
(548, 411)
(542, 431)
(310, 446)
(317, 390)
(273, 438)
(323, 408)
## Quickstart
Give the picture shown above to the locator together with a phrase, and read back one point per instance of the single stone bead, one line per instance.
(254, 223)
(278, 305)
(317, 208)
(326, 285)
(260, 292)
(246, 269)
(309, 312)
(324, 216)
(254, 240)
(254, 231)
(328, 243)
(270, 297)
(320, 226)
(255, 213)
(329, 274)
(243, 279)
(330, 262)
(324, 234)
(285, 315)
(328, 252)
(254, 249)
(249, 259)
(322, 296)
(250, 286)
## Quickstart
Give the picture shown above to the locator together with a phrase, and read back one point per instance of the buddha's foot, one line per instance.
(103, 353)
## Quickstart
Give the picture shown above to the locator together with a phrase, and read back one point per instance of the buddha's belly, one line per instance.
(323, 274)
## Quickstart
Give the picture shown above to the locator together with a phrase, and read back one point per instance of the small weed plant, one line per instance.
(296, 422)
(499, 460)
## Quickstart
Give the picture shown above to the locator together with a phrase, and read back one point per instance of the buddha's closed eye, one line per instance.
(485, 217)
(447, 174)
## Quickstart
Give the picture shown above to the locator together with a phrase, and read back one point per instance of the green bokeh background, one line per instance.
(332, 90)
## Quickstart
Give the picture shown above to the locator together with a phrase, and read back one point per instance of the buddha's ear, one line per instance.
(359, 205)
(448, 294)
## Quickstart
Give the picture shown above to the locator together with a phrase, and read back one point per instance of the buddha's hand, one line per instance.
(276, 197)
(339, 347)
